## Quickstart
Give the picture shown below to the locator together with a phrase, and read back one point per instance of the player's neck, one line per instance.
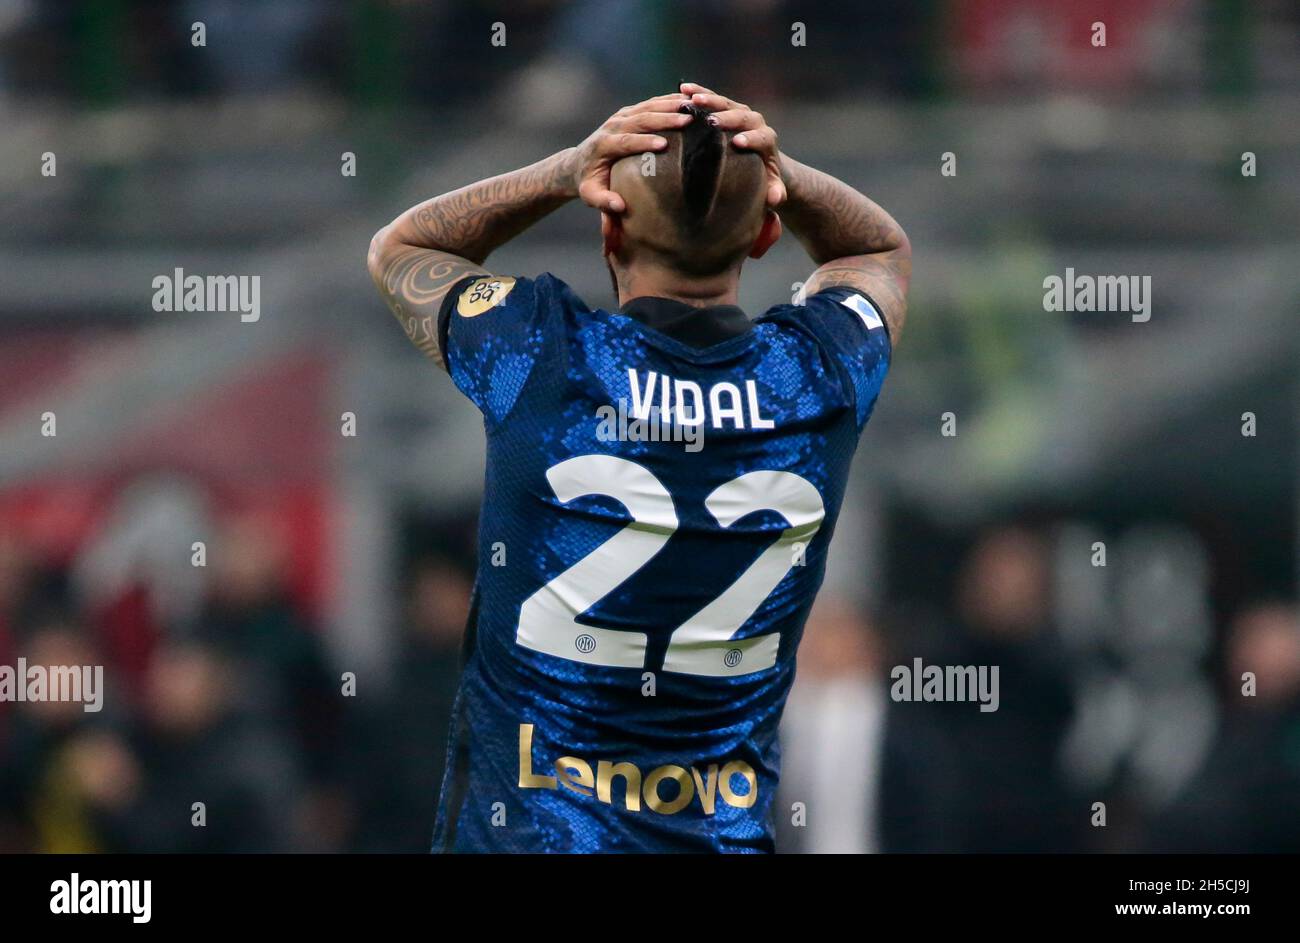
(661, 283)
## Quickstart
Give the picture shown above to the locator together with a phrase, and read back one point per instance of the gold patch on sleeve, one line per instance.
(482, 294)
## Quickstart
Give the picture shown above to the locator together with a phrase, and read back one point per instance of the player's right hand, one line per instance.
(629, 131)
(751, 133)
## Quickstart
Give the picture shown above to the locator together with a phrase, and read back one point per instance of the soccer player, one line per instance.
(662, 478)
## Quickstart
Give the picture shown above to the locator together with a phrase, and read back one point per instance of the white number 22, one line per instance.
(703, 645)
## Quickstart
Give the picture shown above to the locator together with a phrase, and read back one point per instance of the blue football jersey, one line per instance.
(661, 487)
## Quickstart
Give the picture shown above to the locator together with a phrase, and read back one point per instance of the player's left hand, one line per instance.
(629, 131)
(751, 133)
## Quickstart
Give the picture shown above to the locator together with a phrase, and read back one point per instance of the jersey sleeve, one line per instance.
(495, 331)
(849, 328)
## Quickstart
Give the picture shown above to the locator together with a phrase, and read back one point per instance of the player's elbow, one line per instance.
(377, 256)
(903, 246)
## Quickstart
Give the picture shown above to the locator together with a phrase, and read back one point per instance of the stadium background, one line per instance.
(331, 554)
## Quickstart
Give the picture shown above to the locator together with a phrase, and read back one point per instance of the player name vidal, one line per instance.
(686, 403)
(665, 789)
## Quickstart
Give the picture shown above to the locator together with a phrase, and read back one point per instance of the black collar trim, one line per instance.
(694, 327)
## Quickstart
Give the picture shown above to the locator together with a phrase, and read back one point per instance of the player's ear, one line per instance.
(767, 235)
(611, 234)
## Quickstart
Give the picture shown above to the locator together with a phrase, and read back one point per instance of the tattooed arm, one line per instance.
(416, 259)
(853, 241)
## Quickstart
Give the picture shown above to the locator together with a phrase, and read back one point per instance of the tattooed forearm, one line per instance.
(417, 259)
(854, 241)
(473, 221)
(833, 220)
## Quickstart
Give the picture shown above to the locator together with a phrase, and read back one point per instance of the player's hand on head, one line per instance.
(629, 131)
(750, 133)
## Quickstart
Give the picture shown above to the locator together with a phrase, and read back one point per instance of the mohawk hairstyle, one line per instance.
(701, 212)
(703, 147)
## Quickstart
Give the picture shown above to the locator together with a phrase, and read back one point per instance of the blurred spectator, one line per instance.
(195, 745)
(251, 618)
(959, 779)
(127, 576)
(831, 735)
(46, 802)
(1246, 797)
(14, 582)
(31, 593)
(400, 745)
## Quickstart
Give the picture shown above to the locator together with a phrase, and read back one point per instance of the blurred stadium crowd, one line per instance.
(238, 708)
(330, 560)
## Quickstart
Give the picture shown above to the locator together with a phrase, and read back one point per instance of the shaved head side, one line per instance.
(700, 210)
